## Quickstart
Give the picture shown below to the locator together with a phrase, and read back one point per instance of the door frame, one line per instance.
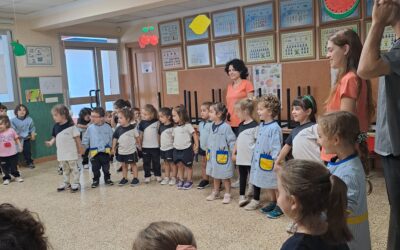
(131, 50)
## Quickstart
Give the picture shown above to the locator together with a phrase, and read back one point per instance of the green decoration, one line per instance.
(18, 49)
(145, 29)
(151, 28)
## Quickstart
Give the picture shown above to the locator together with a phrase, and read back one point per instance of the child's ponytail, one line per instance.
(363, 152)
(338, 232)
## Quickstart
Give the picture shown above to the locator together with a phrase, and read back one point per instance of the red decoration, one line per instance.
(147, 38)
(153, 40)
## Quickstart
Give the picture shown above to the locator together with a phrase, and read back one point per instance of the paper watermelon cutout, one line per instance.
(339, 9)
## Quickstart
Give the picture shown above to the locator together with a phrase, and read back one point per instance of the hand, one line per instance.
(33, 136)
(278, 166)
(196, 148)
(20, 148)
(48, 143)
(234, 157)
(384, 12)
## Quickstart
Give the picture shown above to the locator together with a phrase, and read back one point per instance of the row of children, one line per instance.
(16, 135)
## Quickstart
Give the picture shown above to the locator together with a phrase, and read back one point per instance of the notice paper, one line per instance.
(172, 82)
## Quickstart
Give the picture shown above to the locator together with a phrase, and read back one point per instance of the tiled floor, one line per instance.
(110, 217)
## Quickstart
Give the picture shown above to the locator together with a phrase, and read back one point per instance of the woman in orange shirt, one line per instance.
(350, 92)
(239, 89)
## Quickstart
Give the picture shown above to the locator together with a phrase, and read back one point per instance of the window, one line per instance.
(8, 82)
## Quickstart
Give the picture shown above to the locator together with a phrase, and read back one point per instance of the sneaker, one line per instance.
(214, 195)
(227, 198)
(147, 180)
(165, 181)
(158, 179)
(6, 182)
(253, 205)
(109, 182)
(243, 201)
(63, 187)
(250, 191)
(152, 177)
(172, 182)
(95, 184)
(86, 166)
(188, 185)
(19, 179)
(122, 182)
(291, 228)
(276, 213)
(135, 182)
(203, 184)
(268, 208)
(236, 184)
(31, 165)
(180, 184)
(74, 188)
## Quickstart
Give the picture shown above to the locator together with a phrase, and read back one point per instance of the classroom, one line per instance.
(199, 124)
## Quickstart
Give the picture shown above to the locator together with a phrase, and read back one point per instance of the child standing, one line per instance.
(167, 146)
(183, 154)
(303, 138)
(268, 145)
(220, 144)
(98, 140)
(22, 123)
(339, 133)
(148, 131)
(244, 146)
(204, 131)
(125, 140)
(10, 145)
(66, 136)
(82, 125)
(306, 190)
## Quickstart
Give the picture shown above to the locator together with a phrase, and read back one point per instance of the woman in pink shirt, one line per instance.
(239, 89)
(350, 92)
(9, 148)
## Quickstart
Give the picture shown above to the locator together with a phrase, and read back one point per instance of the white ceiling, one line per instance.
(26, 7)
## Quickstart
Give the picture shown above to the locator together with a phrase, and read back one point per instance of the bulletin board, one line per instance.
(40, 112)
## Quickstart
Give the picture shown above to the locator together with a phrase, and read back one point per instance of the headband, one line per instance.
(308, 98)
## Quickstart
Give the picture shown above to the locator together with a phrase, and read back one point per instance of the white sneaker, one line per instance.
(19, 179)
(243, 201)
(153, 178)
(147, 180)
(172, 182)
(250, 190)
(165, 181)
(158, 179)
(253, 205)
(227, 198)
(86, 166)
(6, 182)
(214, 195)
(236, 184)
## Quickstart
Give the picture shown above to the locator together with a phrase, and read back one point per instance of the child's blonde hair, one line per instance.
(62, 110)
(151, 110)
(164, 235)
(247, 106)
(317, 191)
(271, 102)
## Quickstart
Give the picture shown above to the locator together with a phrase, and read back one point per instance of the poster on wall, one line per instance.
(172, 58)
(198, 55)
(190, 36)
(296, 13)
(268, 78)
(39, 56)
(369, 4)
(298, 45)
(50, 85)
(260, 49)
(259, 18)
(172, 82)
(170, 32)
(226, 23)
(388, 37)
(33, 95)
(226, 51)
(326, 33)
(325, 18)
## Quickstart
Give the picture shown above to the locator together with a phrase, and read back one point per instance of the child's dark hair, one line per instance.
(346, 126)
(271, 102)
(136, 109)
(167, 112)
(317, 191)
(182, 113)
(247, 106)
(121, 103)
(3, 107)
(108, 113)
(84, 112)
(62, 110)
(307, 102)
(5, 120)
(18, 107)
(238, 65)
(207, 104)
(220, 108)
(21, 229)
(164, 235)
(100, 111)
(151, 110)
(127, 113)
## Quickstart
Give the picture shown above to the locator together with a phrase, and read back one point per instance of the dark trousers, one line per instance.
(257, 192)
(101, 161)
(27, 152)
(244, 171)
(151, 161)
(9, 166)
(85, 157)
(391, 170)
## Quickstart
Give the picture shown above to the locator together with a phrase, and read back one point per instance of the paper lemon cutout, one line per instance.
(200, 24)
